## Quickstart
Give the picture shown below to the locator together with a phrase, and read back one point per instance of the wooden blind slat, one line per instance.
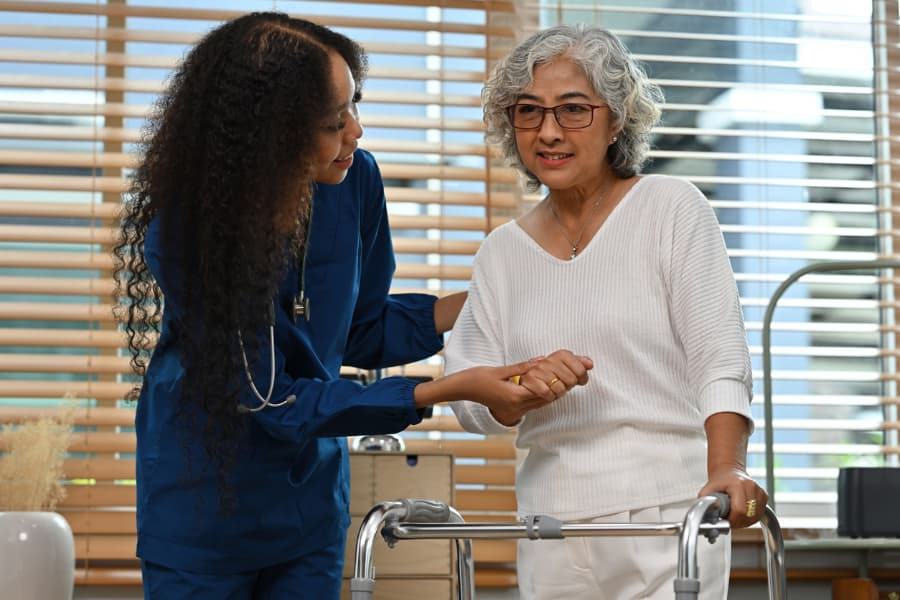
(107, 109)
(97, 441)
(63, 183)
(408, 245)
(438, 423)
(99, 469)
(56, 285)
(89, 416)
(177, 12)
(63, 82)
(81, 210)
(102, 441)
(485, 474)
(397, 194)
(63, 338)
(491, 447)
(44, 311)
(447, 272)
(104, 575)
(104, 547)
(108, 59)
(98, 495)
(414, 370)
(41, 158)
(494, 551)
(55, 260)
(57, 235)
(99, 390)
(482, 500)
(57, 363)
(68, 133)
(95, 522)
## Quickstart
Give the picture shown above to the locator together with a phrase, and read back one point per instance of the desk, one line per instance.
(861, 548)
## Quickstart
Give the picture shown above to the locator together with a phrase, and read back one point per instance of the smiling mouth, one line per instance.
(554, 156)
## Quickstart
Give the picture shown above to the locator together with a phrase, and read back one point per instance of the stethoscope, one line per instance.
(267, 400)
(300, 309)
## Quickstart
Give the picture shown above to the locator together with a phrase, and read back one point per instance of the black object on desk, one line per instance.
(869, 502)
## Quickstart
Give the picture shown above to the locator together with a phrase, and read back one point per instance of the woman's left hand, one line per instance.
(748, 499)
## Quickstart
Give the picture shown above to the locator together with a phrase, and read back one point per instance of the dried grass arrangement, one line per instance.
(31, 466)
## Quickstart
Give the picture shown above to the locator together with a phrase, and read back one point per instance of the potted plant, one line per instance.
(37, 549)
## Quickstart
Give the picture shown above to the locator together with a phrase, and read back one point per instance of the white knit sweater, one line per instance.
(653, 301)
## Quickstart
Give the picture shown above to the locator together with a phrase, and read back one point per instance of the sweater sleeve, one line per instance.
(476, 340)
(706, 308)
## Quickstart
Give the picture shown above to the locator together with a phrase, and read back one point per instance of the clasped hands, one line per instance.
(539, 382)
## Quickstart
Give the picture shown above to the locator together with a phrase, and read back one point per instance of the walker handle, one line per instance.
(720, 511)
(427, 511)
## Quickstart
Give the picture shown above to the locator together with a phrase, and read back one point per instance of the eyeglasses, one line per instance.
(568, 116)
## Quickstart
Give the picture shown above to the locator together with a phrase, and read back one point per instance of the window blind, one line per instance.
(76, 82)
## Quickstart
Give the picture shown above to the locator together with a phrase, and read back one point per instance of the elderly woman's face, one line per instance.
(565, 147)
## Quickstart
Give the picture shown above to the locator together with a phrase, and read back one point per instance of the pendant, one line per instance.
(574, 251)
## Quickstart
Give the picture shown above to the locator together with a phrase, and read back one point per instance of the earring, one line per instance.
(615, 139)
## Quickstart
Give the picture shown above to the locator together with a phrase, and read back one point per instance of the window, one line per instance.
(76, 81)
(771, 110)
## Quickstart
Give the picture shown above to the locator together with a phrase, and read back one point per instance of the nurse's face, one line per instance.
(341, 131)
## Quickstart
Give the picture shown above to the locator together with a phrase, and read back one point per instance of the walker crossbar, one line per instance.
(703, 518)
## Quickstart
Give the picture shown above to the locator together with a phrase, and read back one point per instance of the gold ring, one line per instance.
(751, 508)
(515, 379)
(552, 381)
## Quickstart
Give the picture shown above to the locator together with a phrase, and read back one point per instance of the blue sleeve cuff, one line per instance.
(420, 309)
(405, 387)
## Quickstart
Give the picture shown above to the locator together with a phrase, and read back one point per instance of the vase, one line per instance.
(37, 556)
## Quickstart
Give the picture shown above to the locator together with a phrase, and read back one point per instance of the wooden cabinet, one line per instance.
(412, 569)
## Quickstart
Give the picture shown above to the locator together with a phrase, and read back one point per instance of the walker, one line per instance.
(411, 518)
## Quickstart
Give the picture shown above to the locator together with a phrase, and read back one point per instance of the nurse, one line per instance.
(255, 243)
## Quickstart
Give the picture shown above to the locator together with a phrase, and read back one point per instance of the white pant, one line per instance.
(620, 568)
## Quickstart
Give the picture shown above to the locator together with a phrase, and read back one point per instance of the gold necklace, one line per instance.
(577, 243)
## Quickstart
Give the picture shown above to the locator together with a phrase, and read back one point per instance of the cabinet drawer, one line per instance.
(379, 476)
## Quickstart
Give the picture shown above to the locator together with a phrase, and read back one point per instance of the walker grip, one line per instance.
(721, 511)
(428, 511)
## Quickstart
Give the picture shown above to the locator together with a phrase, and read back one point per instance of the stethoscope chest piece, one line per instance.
(301, 307)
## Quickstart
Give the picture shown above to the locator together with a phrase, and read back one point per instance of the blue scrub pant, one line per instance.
(316, 576)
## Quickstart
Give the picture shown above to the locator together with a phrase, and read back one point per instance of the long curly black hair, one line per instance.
(227, 169)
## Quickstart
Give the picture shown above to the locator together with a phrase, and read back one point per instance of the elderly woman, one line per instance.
(632, 271)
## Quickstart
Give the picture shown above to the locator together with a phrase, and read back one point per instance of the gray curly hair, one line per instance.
(614, 74)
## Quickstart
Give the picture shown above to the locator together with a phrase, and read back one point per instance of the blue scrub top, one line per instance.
(291, 479)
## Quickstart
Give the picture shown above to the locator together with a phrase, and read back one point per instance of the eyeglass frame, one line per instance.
(544, 109)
